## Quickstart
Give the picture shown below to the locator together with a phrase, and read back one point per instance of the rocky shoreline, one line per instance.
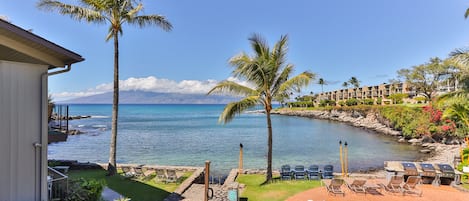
(435, 152)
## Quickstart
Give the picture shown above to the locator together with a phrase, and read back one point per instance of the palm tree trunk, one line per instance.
(115, 109)
(269, 144)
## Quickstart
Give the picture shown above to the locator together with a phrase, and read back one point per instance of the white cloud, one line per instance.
(150, 84)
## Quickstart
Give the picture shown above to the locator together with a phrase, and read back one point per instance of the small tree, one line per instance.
(426, 77)
(398, 98)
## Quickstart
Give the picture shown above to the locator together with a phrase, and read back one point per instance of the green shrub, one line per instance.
(84, 190)
(351, 102)
(341, 103)
(420, 99)
(368, 101)
(379, 100)
(301, 104)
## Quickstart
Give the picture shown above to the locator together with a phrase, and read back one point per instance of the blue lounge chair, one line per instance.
(285, 172)
(299, 172)
(328, 172)
(313, 172)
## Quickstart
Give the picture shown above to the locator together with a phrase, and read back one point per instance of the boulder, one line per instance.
(415, 141)
(425, 151)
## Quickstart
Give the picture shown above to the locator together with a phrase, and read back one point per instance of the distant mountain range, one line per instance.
(143, 97)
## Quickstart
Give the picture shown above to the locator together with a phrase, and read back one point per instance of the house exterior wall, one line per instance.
(368, 92)
(22, 166)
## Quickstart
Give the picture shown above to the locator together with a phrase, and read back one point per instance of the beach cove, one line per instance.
(187, 135)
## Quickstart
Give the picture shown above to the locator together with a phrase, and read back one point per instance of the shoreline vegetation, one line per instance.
(369, 119)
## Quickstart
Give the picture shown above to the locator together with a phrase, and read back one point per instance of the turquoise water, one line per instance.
(190, 135)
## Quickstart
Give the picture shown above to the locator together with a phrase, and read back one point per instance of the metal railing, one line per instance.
(57, 184)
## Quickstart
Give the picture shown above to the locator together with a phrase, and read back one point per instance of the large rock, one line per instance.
(425, 151)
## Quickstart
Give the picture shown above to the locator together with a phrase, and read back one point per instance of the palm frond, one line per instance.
(459, 111)
(259, 45)
(133, 11)
(233, 88)
(460, 56)
(75, 12)
(148, 20)
(279, 52)
(467, 13)
(281, 78)
(236, 108)
(96, 4)
(294, 83)
(247, 68)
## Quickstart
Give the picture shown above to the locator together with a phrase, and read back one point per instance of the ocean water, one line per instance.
(190, 135)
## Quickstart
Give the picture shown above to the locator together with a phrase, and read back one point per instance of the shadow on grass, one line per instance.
(126, 187)
(277, 190)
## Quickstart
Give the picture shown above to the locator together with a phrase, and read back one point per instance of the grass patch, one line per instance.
(276, 191)
(131, 188)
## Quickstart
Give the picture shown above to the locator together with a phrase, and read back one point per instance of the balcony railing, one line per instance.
(57, 184)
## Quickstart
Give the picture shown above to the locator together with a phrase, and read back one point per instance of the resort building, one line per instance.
(26, 61)
(368, 92)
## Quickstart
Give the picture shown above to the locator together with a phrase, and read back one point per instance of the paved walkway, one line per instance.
(430, 193)
(196, 193)
(109, 194)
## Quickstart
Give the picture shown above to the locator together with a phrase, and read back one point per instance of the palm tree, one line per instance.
(116, 13)
(269, 80)
(354, 82)
(345, 84)
(322, 83)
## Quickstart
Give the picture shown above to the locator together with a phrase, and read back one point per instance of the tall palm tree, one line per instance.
(116, 13)
(322, 83)
(269, 80)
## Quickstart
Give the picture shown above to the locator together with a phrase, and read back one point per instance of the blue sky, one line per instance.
(336, 39)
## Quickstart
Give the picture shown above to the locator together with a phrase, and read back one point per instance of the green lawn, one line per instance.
(134, 189)
(276, 191)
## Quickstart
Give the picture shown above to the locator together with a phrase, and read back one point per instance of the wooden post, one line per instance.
(207, 175)
(341, 159)
(240, 168)
(346, 158)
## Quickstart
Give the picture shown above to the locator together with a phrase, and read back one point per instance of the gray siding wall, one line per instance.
(20, 128)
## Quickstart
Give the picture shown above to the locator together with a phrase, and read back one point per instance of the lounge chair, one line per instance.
(300, 172)
(328, 172)
(171, 175)
(285, 172)
(335, 187)
(147, 172)
(138, 171)
(313, 172)
(410, 186)
(128, 172)
(160, 175)
(394, 185)
(357, 186)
